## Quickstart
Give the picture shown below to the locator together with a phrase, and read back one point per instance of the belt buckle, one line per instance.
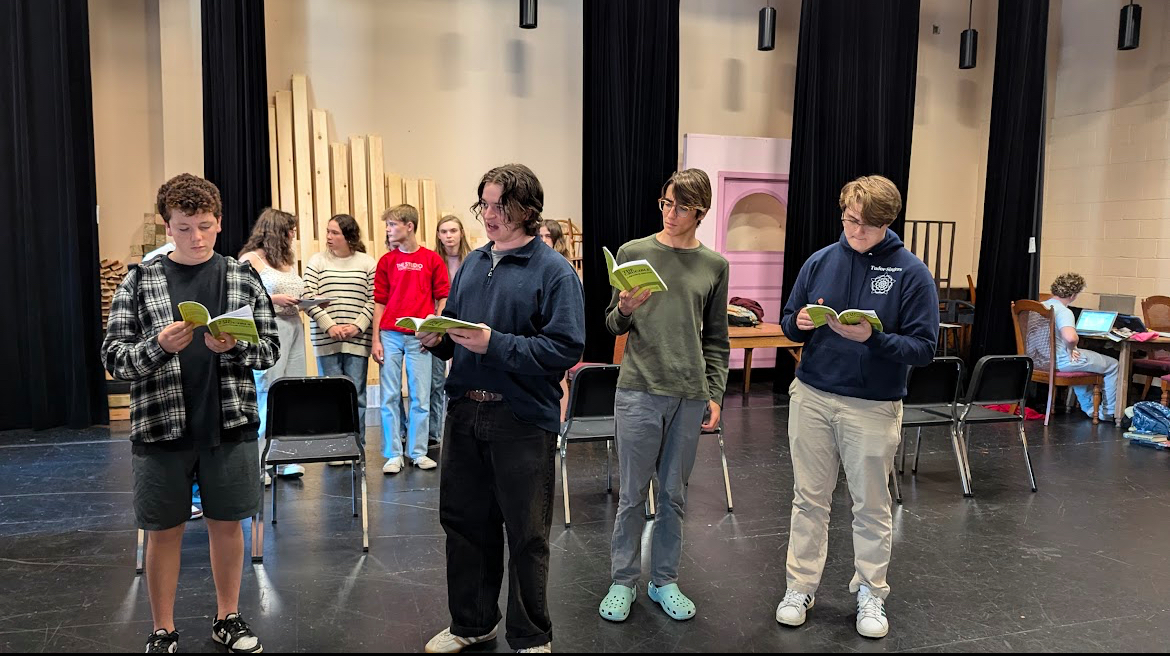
(479, 395)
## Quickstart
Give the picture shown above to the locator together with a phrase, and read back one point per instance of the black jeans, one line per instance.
(497, 473)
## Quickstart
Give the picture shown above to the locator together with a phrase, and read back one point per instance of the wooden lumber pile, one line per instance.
(110, 275)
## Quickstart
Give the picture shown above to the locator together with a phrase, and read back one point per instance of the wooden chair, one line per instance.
(1156, 316)
(971, 288)
(1035, 327)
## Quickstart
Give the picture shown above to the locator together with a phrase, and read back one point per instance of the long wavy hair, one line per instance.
(270, 234)
(464, 247)
(560, 244)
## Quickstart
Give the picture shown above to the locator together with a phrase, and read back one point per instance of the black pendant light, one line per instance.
(1129, 31)
(968, 43)
(767, 38)
(528, 14)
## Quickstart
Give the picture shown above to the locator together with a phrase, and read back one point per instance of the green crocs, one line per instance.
(673, 601)
(616, 605)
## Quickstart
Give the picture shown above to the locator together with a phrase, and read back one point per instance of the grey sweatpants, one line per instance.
(652, 431)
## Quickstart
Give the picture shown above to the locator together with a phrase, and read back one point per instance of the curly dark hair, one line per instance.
(522, 197)
(351, 231)
(190, 195)
(1067, 285)
(270, 234)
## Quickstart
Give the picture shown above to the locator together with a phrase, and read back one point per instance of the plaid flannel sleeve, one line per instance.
(126, 352)
(263, 355)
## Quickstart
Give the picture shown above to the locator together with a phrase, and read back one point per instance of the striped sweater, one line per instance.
(350, 280)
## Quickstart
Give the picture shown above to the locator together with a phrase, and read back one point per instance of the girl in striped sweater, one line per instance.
(341, 330)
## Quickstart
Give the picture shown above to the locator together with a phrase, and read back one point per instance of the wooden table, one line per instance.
(1125, 367)
(764, 335)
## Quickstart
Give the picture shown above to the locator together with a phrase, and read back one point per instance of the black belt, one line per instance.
(483, 396)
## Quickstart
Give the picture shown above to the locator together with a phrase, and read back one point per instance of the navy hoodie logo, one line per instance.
(882, 284)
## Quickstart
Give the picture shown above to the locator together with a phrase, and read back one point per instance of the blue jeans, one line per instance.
(399, 347)
(1093, 362)
(438, 401)
(353, 367)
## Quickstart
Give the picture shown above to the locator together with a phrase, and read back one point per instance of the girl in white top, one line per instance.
(270, 251)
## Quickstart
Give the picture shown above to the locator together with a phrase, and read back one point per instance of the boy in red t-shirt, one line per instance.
(411, 281)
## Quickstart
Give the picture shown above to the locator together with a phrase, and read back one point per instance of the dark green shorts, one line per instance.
(229, 484)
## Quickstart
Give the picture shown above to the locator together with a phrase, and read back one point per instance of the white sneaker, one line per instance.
(871, 615)
(393, 466)
(546, 648)
(196, 512)
(425, 463)
(290, 471)
(793, 609)
(446, 643)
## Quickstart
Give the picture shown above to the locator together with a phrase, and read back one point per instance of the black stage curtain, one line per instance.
(853, 114)
(49, 236)
(630, 137)
(1015, 160)
(235, 115)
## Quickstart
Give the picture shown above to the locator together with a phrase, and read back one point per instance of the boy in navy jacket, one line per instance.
(846, 403)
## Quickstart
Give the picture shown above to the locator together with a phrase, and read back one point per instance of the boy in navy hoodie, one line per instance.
(846, 406)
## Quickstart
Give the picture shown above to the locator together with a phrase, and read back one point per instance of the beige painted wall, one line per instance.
(726, 86)
(952, 112)
(147, 108)
(127, 117)
(1107, 172)
(453, 88)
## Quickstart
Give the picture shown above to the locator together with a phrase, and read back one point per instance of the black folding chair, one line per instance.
(312, 420)
(931, 394)
(997, 380)
(589, 418)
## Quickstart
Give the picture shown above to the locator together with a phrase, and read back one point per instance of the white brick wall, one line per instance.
(1107, 168)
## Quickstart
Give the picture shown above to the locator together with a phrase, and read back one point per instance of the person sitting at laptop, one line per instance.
(1064, 290)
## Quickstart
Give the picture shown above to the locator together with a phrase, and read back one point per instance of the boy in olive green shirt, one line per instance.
(670, 388)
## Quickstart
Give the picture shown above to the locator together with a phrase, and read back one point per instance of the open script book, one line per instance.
(237, 323)
(434, 324)
(635, 273)
(820, 316)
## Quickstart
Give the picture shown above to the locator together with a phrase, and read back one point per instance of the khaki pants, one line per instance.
(826, 431)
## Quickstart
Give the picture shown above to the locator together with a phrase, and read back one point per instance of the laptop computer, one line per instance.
(1095, 323)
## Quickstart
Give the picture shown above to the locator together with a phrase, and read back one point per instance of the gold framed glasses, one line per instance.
(666, 205)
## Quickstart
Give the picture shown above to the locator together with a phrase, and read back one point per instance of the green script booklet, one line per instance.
(434, 324)
(237, 323)
(820, 316)
(636, 273)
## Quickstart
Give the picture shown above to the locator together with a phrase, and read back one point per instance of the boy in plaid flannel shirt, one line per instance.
(192, 405)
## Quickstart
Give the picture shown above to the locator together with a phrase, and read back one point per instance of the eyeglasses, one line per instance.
(683, 211)
(850, 223)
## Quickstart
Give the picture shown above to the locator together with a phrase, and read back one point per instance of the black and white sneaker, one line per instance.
(161, 642)
(233, 632)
